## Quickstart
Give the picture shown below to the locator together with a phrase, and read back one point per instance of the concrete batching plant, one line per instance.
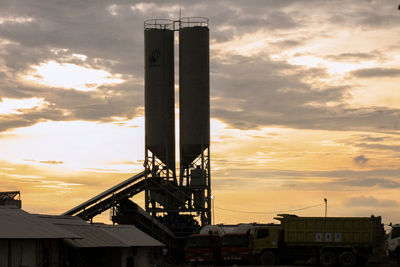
(189, 196)
(180, 203)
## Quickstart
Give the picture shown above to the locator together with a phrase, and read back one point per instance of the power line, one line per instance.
(270, 212)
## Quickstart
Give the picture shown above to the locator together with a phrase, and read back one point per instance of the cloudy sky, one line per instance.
(305, 103)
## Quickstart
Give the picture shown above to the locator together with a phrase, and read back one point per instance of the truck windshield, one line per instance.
(396, 232)
(235, 241)
(198, 242)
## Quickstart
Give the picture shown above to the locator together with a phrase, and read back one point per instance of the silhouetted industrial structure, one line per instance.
(174, 205)
(177, 202)
(11, 198)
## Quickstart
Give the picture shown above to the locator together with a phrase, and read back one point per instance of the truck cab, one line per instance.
(237, 248)
(267, 240)
(393, 242)
(203, 248)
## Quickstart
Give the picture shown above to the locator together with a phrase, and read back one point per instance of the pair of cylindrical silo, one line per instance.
(194, 90)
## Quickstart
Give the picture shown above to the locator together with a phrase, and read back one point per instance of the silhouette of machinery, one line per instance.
(175, 206)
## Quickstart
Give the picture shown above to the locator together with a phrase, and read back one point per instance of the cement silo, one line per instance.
(159, 93)
(194, 88)
(194, 114)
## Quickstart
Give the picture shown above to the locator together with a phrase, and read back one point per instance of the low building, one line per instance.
(107, 245)
(26, 240)
(30, 240)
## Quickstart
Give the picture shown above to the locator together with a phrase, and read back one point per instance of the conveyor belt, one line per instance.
(108, 198)
(128, 212)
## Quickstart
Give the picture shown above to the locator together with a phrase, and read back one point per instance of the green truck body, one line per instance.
(332, 231)
(346, 241)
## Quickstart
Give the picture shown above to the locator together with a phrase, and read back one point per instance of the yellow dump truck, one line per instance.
(331, 241)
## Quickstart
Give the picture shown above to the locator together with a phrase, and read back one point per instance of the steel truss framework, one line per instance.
(191, 196)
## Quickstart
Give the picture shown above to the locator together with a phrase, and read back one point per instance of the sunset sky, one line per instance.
(305, 103)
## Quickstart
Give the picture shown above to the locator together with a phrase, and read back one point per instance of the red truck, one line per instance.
(203, 248)
(237, 248)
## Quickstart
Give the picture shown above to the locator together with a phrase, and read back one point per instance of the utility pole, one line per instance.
(212, 203)
(326, 206)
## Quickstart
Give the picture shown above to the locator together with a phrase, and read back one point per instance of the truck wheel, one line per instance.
(347, 259)
(268, 258)
(327, 259)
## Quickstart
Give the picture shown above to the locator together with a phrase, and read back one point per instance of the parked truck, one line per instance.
(393, 242)
(345, 241)
(204, 247)
(237, 248)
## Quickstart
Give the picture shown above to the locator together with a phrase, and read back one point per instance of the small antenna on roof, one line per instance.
(180, 13)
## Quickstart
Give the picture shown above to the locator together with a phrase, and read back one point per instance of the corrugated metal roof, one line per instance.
(18, 224)
(102, 235)
(92, 237)
(130, 235)
(62, 219)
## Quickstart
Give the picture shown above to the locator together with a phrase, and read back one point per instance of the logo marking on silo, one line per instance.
(154, 58)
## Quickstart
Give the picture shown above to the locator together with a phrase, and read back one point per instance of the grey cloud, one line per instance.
(340, 174)
(287, 43)
(280, 20)
(362, 182)
(249, 91)
(91, 29)
(385, 19)
(67, 105)
(356, 56)
(8, 122)
(16, 174)
(376, 72)
(83, 28)
(373, 139)
(273, 93)
(366, 14)
(360, 160)
(113, 43)
(338, 179)
(231, 19)
(55, 162)
(379, 147)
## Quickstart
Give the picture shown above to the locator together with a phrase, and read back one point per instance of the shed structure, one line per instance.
(107, 245)
(26, 240)
(57, 241)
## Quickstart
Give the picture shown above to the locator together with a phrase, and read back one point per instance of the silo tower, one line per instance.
(194, 114)
(159, 112)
